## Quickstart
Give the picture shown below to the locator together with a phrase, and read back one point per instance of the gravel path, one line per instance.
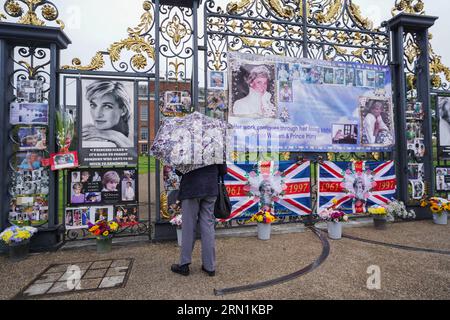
(404, 274)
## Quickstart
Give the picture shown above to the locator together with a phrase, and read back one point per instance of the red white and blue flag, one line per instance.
(286, 186)
(356, 185)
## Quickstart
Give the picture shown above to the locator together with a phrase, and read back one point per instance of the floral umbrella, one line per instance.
(192, 142)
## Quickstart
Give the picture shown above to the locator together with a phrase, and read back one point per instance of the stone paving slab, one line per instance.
(78, 277)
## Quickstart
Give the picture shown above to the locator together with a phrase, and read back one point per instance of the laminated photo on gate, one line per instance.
(309, 105)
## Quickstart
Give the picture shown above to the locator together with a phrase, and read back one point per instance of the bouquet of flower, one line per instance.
(398, 209)
(177, 221)
(65, 130)
(263, 216)
(437, 205)
(103, 229)
(17, 234)
(377, 210)
(333, 215)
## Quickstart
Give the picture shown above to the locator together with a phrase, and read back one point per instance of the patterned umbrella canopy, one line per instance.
(192, 142)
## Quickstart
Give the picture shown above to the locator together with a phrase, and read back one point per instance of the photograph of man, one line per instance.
(258, 101)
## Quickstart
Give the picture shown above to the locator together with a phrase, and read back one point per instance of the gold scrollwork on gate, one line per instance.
(176, 30)
(281, 9)
(332, 13)
(238, 7)
(48, 11)
(408, 6)
(138, 41)
(355, 11)
(96, 63)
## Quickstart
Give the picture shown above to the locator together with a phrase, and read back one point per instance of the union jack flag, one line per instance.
(286, 185)
(356, 185)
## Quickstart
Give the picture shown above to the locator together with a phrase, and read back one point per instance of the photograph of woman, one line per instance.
(255, 97)
(107, 114)
(375, 129)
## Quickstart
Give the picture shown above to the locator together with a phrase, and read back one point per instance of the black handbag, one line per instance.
(222, 208)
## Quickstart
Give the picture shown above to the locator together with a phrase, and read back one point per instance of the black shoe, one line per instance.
(183, 270)
(210, 273)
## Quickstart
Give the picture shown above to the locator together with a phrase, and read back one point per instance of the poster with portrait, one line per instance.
(355, 186)
(443, 111)
(107, 129)
(443, 179)
(281, 187)
(102, 186)
(293, 104)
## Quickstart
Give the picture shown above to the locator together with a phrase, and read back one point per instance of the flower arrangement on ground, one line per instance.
(17, 235)
(397, 209)
(263, 216)
(333, 214)
(378, 211)
(437, 205)
(103, 229)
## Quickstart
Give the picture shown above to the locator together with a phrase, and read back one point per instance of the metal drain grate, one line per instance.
(70, 278)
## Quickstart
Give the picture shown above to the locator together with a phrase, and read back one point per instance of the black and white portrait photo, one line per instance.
(444, 121)
(253, 93)
(108, 117)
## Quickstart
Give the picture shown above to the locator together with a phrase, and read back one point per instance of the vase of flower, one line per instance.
(264, 230)
(179, 236)
(18, 241)
(380, 222)
(19, 251)
(334, 230)
(104, 245)
(440, 218)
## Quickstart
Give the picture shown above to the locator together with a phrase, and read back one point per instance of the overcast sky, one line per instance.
(94, 25)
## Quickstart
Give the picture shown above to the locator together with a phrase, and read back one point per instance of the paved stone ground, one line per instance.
(404, 274)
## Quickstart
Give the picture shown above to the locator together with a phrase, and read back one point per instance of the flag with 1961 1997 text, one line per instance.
(355, 186)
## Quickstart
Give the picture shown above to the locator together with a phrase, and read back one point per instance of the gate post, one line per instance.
(417, 26)
(32, 39)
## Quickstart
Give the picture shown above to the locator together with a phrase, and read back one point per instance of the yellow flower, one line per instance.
(105, 234)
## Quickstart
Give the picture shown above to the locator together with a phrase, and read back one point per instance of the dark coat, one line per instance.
(201, 183)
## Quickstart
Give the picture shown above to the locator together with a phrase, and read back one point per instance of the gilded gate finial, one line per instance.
(15, 9)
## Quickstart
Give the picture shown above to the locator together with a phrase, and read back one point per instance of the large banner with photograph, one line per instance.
(107, 123)
(283, 186)
(355, 186)
(309, 105)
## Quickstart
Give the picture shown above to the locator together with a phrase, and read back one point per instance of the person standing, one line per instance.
(198, 194)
